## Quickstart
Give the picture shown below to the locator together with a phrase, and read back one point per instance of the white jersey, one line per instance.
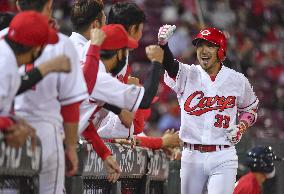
(109, 90)
(79, 42)
(43, 103)
(208, 108)
(10, 78)
(106, 90)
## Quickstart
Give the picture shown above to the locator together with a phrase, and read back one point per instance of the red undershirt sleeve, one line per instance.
(71, 112)
(91, 67)
(100, 148)
(150, 142)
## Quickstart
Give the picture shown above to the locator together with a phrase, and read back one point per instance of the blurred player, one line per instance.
(260, 161)
(52, 107)
(210, 97)
(19, 47)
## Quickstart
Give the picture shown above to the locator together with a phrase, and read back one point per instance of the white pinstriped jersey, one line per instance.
(209, 107)
(107, 89)
(44, 101)
(9, 76)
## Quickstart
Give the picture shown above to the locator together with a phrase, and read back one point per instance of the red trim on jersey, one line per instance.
(5, 122)
(71, 112)
(91, 67)
(100, 148)
(212, 77)
(150, 142)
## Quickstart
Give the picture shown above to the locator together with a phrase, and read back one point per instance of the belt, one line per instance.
(205, 148)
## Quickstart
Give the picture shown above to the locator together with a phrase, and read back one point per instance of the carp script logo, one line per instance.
(207, 104)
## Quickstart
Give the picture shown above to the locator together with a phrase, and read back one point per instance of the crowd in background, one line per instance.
(255, 30)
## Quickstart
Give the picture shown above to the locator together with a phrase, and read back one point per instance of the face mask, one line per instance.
(271, 174)
(120, 64)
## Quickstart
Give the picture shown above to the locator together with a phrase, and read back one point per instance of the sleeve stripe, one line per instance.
(256, 100)
(136, 99)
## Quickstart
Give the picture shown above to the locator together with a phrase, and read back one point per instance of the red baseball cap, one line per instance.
(117, 38)
(31, 28)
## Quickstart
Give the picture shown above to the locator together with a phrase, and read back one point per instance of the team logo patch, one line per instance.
(205, 32)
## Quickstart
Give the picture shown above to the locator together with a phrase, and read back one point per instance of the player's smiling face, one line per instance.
(207, 55)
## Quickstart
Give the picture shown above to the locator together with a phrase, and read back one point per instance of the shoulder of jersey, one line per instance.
(234, 72)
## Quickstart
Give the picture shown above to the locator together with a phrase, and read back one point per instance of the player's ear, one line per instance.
(132, 30)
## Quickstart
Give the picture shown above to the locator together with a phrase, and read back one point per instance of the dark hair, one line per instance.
(107, 54)
(37, 5)
(84, 12)
(16, 47)
(5, 19)
(126, 14)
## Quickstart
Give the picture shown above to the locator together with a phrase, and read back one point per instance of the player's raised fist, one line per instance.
(133, 80)
(155, 53)
(165, 33)
(97, 36)
(60, 63)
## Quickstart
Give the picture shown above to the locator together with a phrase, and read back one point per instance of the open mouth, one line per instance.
(205, 59)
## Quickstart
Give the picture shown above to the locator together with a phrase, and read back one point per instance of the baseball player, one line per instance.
(260, 161)
(132, 18)
(210, 96)
(52, 107)
(19, 47)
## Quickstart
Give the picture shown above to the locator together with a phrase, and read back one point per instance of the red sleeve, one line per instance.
(150, 142)
(71, 112)
(5, 122)
(91, 66)
(100, 148)
(138, 121)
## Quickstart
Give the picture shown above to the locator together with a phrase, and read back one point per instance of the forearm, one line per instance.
(169, 64)
(151, 86)
(29, 80)
(71, 137)
(112, 108)
(149, 142)
(92, 136)
(248, 119)
(90, 68)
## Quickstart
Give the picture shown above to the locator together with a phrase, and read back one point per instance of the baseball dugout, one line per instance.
(19, 168)
(143, 171)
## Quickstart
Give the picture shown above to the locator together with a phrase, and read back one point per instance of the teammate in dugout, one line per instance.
(19, 47)
(210, 97)
(52, 107)
(260, 160)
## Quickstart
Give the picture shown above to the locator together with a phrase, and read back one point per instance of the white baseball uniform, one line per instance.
(41, 108)
(10, 78)
(106, 90)
(207, 109)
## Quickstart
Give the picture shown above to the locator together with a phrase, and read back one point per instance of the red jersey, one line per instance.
(247, 185)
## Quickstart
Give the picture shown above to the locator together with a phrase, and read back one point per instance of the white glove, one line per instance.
(165, 33)
(234, 133)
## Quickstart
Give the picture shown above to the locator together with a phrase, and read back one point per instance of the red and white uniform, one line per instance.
(208, 108)
(41, 107)
(10, 78)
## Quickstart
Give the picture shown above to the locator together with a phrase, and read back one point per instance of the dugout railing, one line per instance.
(144, 171)
(19, 168)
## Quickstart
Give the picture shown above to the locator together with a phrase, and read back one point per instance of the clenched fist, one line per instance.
(234, 133)
(155, 53)
(60, 63)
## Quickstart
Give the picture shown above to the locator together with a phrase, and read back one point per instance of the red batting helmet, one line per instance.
(214, 36)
